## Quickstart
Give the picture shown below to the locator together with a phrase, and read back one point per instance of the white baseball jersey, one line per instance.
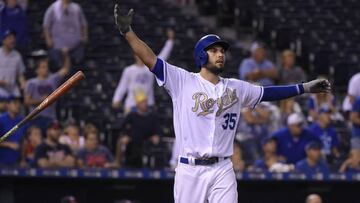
(135, 77)
(205, 114)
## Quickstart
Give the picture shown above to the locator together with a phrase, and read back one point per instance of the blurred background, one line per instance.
(111, 138)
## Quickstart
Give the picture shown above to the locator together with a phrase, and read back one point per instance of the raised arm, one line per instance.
(142, 50)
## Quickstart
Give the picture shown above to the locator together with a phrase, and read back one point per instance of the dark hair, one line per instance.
(86, 134)
(40, 60)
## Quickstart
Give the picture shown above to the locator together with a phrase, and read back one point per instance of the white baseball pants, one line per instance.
(205, 184)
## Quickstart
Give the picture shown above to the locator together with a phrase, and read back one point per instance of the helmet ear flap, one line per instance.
(203, 56)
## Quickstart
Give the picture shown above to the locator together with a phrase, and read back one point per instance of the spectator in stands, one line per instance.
(325, 131)
(313, 198)
(51, 153)
(291, 140)
(72, 138)
(94, 154)
(139, 128)
(289, 73)
(355, 120)
(38, 88)
(352, 93)
(10, 148)
(288, 107)
(352, 164)
(13, 17)
(237, 159)
(89, 127)
(313, 162)
(318, 101)
(251, 129)
(257, 68)
(2, 104)
(65, 27)
(32, 140)
(270, 161)
(11, 66)
(137, 76)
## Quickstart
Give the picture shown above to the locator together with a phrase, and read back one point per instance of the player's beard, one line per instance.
(214, 70)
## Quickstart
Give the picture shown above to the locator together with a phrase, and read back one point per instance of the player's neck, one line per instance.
(209, 76)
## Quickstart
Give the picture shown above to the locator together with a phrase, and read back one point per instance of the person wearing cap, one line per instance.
(13, 17)
(10, 148)
(319, 101)
(326, 132)
(12, 67)
(39, 87)
(270, 158)
(139, 128)
(313, 163)
(355, 119)
(65, 27)
(289, 73)
(291, 140)
(257, 68)
(51, 153)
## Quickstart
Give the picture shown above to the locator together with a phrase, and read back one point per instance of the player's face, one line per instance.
(216, 59)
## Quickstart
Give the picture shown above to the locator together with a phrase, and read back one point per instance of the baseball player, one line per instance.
(206, 112)
(137, 77)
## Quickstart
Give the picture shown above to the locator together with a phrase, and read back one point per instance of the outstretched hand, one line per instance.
(123, 22)
(317, 86)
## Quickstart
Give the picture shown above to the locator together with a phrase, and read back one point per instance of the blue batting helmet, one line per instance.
(200, 55)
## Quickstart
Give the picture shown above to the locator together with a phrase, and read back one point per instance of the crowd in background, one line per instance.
(297, 134)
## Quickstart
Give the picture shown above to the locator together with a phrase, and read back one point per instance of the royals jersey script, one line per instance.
(205, 114)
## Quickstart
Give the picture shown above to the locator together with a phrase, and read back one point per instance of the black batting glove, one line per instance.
(123, 22)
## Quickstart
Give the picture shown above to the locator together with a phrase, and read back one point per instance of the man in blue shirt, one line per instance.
(10, 149)
(257, 68)
(13, 17)
(291, 140)
(355, 118)
(323, 129)
(313, 162)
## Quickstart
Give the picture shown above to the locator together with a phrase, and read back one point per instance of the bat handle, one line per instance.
(9, 133)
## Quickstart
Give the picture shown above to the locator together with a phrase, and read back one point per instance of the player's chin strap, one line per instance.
(274, 93)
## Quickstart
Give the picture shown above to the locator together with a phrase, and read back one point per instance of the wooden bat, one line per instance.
(47, 101)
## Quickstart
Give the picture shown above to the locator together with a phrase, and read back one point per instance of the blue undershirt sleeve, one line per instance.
(158, 69)
(274, 93)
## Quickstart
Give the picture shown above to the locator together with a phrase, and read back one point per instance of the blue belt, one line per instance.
(203, 161)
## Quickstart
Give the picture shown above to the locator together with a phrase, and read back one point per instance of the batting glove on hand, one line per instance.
(317, 86)
(123, 23)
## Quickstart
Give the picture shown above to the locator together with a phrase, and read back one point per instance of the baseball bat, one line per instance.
(47, 101)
